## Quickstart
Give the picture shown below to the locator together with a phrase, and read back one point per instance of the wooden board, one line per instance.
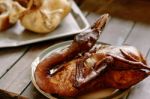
(116, 31)
(140, 37)
(8, 57)
(18, 77)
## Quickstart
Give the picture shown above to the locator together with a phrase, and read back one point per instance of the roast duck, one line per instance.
(84, 66)
(39, 16)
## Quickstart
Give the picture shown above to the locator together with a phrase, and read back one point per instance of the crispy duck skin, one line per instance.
(103, 66)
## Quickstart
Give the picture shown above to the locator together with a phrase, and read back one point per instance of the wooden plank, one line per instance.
(116, 30)
(32, 93)
(140, 37)
(9, 56)
(20, 74)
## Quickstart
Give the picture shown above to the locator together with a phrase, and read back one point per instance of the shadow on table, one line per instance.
(136, 10)
(10, 95)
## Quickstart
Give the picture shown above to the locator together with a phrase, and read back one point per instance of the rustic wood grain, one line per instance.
(115, 31)
(9, 56)
(140, 37)
(18, 77)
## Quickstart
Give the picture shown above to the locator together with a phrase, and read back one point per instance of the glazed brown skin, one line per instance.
(114, 67)
(66, 74)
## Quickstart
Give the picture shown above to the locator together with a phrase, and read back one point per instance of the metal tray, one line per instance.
(74, 23)
(103, 94)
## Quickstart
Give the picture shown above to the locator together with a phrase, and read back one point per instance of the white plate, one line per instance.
(74, 23)
(102, 94)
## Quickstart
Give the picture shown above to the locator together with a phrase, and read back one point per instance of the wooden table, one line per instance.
(15, 63)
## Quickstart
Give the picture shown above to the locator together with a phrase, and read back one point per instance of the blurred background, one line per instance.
(136, 10)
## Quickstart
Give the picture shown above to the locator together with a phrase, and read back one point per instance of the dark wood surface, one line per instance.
(15, 63)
